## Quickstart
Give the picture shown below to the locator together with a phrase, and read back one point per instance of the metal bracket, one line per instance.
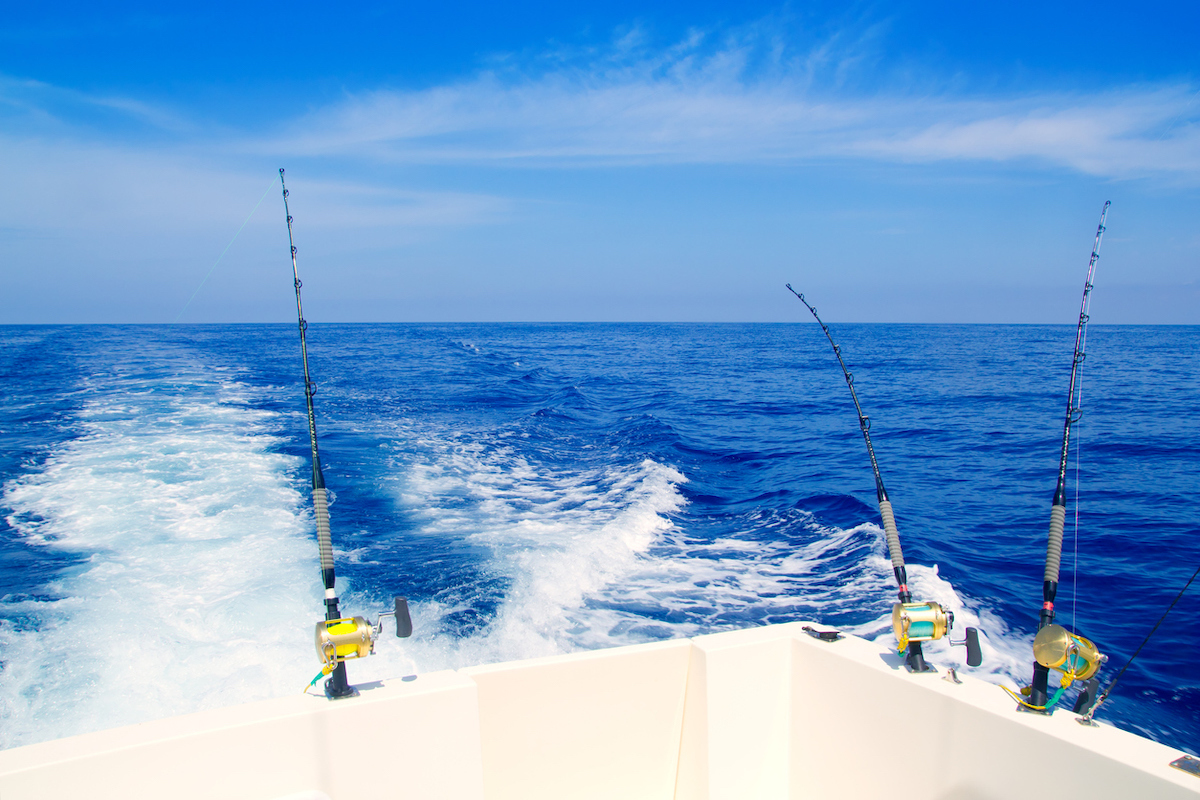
(824, 636)
(1188, 764)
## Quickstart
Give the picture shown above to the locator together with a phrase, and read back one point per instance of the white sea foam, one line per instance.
(199, 585)
(174, 504)
(593, 559)
(557, 538)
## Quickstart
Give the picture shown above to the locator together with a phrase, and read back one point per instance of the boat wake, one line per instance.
(193, 567)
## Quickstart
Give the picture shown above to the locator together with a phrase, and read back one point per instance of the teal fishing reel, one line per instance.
(1074, 657)
(927, 622)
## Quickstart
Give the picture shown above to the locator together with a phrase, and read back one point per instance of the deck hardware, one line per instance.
(951, 675)
(1188, 764)
(824, 636)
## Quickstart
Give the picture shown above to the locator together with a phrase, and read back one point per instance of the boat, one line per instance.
(791, 710)
(767, 712)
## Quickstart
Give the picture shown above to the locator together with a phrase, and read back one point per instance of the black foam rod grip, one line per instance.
(974, 654)
(403, 620)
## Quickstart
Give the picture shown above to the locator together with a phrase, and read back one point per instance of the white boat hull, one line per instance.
(762, 713)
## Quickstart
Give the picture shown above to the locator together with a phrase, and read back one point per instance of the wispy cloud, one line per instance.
(743, 96)
(34, 105)
(1130, 132)
(127, 198)
(746, 99)
(94, 187)
(748, 96)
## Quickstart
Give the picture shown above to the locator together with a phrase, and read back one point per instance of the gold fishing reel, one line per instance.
(925, 622)
(354, 637)
(1070, 654)
(341, 639)
(919, 622)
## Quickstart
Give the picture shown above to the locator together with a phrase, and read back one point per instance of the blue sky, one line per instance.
(899, 162)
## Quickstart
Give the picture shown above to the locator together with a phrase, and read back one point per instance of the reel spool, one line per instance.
(925, 622)
(1074, 656)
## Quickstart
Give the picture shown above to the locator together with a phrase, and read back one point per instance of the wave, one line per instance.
(550, 540)
(173, 505)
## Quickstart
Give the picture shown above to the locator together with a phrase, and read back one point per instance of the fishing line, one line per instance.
(1179, 116)
(1075, 538)
(223, 252)
(1087, 718)
(1078, 463)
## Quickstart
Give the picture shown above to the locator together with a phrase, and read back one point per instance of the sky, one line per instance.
(935, 162)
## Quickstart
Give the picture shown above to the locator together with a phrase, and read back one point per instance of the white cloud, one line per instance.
(38, 105)
(65, 185)
(745, 103)
(661, 122)
(749, 97)
(1128, 133)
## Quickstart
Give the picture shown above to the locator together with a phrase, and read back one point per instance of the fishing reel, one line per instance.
(1071, 655)
(1074, 658)
(925, 622)
(354, 637)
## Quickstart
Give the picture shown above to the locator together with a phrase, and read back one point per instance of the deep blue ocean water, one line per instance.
(536, 489)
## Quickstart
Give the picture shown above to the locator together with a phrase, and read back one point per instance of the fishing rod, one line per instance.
(1054, 647)
(338, 638)
(913, 623)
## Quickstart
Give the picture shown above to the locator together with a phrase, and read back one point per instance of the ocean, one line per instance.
(535, 489)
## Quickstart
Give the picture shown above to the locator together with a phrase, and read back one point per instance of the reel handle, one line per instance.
(404, 626)
(971, 642)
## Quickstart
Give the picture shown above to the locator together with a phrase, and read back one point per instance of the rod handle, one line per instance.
(891, 534)
(1058, 516)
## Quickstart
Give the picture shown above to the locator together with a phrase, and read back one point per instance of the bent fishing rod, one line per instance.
(338, 638)
(912, 623)
(1075, 657)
